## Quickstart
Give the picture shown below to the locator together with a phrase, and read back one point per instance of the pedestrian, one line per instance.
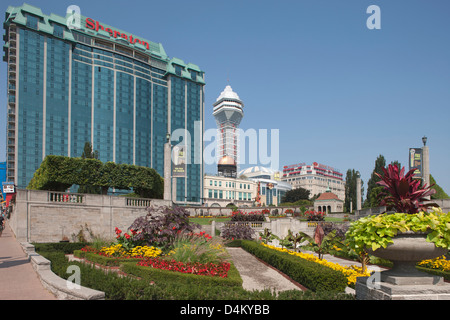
(2, 224)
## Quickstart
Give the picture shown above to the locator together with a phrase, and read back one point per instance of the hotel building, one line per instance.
(95, 83)
(317, 178)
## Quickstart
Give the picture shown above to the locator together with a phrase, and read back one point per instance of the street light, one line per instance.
(424, 140)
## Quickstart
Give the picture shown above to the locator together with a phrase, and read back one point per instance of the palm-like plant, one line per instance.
(321, 243)
(295, 239)
(403, 193)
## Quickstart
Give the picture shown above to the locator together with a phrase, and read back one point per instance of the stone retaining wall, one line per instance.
(47, 216)
(58, 286)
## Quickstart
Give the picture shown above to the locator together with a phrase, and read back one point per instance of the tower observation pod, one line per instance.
(228, 112)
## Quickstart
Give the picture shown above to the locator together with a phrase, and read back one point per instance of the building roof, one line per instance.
(328, 196)
(256, 169)
(228, 93)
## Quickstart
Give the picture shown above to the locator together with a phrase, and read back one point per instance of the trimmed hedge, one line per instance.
(105, 261)
(313, 276)
(437, 272)
(66, 247)
(58, 173)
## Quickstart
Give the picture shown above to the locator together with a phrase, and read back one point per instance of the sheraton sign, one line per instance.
(95, 25)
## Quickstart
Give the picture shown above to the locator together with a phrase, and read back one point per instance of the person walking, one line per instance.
(2, 224)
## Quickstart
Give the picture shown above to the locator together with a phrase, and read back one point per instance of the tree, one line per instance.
(89, 153)
(373, 189)
(440, 193)
(380, 163)
(295, 195)
(350, 190)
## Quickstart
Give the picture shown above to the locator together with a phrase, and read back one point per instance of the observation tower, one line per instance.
(228, 112)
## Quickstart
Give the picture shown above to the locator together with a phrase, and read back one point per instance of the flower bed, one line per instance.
(440, 263)
(247, 216)
(351, 273)
(439, 266)
(208, 269)
(118, 251)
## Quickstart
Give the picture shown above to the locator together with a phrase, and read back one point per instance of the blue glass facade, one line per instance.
(78, 86)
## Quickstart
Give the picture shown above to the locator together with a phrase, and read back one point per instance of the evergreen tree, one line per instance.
(350, 190)
(380, 163)
(295, 195)
(440, 193)
(88, 153)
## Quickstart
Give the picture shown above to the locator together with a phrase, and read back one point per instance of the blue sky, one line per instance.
(339, 93)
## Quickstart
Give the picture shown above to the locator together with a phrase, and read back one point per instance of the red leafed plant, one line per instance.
(403, 193)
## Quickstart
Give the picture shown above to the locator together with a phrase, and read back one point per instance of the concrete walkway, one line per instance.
(18, 280)
(257, 275)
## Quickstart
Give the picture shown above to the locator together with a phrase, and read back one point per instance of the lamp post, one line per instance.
(425, 162)
(358, 190)
(168, 168)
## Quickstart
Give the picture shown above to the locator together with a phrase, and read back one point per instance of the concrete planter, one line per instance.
(408, 249)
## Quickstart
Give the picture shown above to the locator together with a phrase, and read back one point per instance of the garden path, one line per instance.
(257, 275)
(18, 280)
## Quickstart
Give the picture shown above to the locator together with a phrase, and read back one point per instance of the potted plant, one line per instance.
(408, 235)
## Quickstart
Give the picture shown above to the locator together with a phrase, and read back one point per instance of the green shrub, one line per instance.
(440, 273)
(310, 274)
(65, 247)
(105, 261)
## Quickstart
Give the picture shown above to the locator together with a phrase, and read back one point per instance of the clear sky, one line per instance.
(339, 93)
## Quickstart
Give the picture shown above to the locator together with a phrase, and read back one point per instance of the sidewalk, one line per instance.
(18, 280)
(257, 275)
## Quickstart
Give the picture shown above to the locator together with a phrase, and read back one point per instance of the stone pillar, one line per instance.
(426, 165)
(358, 191)
(167, 171)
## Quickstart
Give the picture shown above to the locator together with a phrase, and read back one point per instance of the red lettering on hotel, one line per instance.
(95, 25)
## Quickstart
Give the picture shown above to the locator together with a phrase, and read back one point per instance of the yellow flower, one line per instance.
(351, 273)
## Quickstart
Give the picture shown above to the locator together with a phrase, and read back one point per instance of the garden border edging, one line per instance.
(55, 284)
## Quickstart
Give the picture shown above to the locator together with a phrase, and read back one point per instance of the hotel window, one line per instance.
(210, 193)
(215, 183)
(215, 194)
(210, 182)
(58, 30)
(177, 70)
(32, 21)
(220, 183)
